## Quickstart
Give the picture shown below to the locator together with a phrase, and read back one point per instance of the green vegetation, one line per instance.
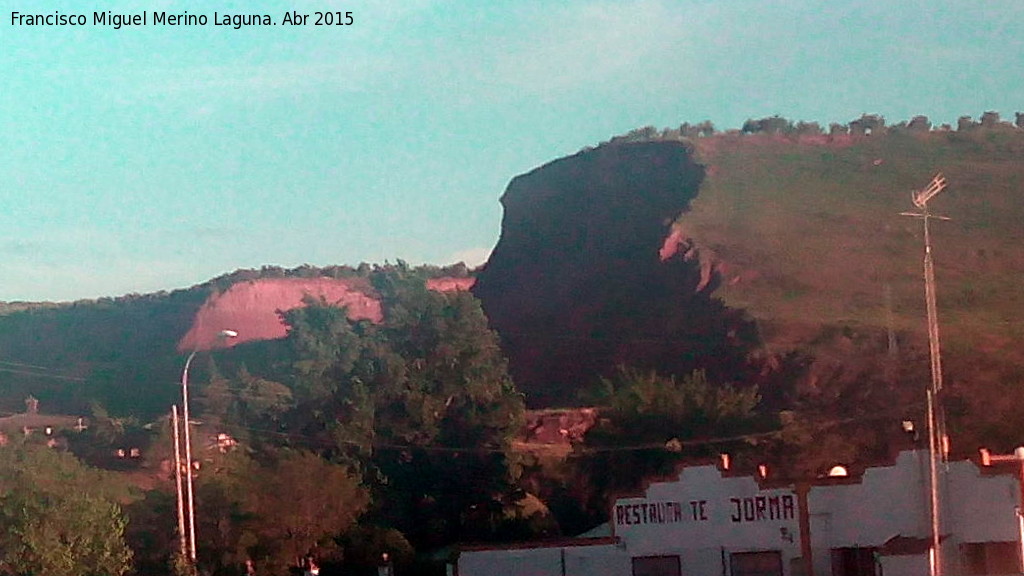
(651, 424)
(59, 517)
(806, 233)
(405, 424)
(357, 438)
(400, 431)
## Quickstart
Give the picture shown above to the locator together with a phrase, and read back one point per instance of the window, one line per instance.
(853, 562)
(767, 563)
(984, 558)
(656, 566)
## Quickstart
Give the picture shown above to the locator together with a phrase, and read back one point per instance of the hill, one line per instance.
(807, 236)
(127, 353)
(797, 230)
(774, 255)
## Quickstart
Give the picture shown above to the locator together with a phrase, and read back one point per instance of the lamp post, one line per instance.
(221, 336)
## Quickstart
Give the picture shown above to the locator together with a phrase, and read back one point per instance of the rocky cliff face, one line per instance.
(577, 283)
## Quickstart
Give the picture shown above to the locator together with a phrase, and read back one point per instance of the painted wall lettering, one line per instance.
(743, 509)
(651, 513)
(699, 509)
(758, 508)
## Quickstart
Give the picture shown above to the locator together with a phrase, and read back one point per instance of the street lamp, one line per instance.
(221, 336)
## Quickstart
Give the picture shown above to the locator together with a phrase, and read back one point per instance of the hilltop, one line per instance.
(808, 238)
(772, 255)
(127, 352)
(790, 240)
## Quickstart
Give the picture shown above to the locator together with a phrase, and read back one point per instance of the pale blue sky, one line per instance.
(142, 159)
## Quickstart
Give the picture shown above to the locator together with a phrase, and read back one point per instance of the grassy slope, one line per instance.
(809, 236)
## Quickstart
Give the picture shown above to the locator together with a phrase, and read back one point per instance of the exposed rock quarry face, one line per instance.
(579, 281)
(450, 284)
(251, 308)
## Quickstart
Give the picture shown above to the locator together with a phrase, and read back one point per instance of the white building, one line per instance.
(712, 522)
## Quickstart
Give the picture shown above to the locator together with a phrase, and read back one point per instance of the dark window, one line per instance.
(986, 558)
(767, 563)
(656, 566)
(853, 562)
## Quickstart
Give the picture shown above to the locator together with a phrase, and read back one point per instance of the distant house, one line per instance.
(32, 422)
(224, 442)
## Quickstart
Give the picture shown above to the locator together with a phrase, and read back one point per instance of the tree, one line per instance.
(274, 512)
(868, 124)
(808, 128)
(687, 130)
(919, 124)
(990, 119)
(306, 501)
(646, 421)
(452, 404)
(836, 129)
(769, 125)
(152, 532)
(849, 413)
(335, 364)
(421, 404)
(59, 517)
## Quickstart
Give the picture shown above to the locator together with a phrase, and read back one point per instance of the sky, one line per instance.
(154, 158)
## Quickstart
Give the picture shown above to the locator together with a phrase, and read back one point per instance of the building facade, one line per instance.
(711, 522)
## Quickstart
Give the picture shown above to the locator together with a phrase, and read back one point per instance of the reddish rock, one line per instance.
(450, 284)
(671, 245)
(251, 308)
(589, 274)
(557, 426)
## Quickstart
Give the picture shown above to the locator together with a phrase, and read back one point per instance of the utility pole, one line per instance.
(177, 483)
(937, 442)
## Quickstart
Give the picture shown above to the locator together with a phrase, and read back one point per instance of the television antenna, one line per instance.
(938, 443)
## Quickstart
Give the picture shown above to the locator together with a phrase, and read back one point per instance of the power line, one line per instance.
(42, 374)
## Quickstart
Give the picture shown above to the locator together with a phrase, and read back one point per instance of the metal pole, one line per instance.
(936, 427)
(177, 482)
(933, 316)
(934, 560)
(936, 431)
(188, 460)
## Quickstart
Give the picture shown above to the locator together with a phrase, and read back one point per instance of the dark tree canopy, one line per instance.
(422, 403)
(59, 518)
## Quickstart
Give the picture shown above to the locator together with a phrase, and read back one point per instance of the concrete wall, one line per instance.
(597, 560)
(904, 565)
(703, 514)
(981, 507)
(887, 502)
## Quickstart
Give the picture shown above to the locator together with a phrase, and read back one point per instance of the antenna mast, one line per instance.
(938, 444)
